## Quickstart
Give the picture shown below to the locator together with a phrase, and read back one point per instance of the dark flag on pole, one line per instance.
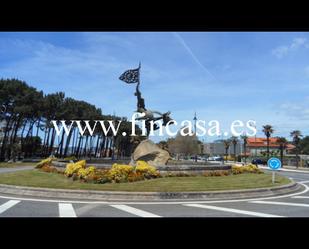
(130, 76)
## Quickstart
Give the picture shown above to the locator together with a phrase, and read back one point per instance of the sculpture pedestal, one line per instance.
(151, 153)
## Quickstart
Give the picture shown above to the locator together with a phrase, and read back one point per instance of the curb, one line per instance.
(95, 195)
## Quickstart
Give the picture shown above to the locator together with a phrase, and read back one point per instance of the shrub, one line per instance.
(118, 173)
(49, 169)
(229, 158)
(178, 174)
(100, 176)
(84, 172)
(146, 170)
(216, 173)
(45, 162)
(135, 176)
(72, 168)
(70, 158)
(250, 168)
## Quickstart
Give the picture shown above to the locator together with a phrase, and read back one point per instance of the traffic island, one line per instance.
(38, 184)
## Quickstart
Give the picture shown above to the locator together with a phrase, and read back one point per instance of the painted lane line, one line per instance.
(232, 210)
(303, 182)
(66, 210)
(287, 170)
(281, 203)
(300, 197)
(8, 205)
(134, 211)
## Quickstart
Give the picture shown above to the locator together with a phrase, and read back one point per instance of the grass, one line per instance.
(36, 178)
(14, 165)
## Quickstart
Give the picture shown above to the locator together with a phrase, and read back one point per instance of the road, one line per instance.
(292, 205)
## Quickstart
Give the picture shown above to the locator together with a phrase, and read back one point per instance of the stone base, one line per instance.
(151, 153)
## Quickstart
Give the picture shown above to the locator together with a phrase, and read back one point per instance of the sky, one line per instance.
(263, 76)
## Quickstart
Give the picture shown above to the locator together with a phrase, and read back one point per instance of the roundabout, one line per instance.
(294, 203)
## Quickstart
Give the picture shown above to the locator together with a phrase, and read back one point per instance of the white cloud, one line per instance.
(280, 51)
(299, 110)
(298, 42)
(283, 50)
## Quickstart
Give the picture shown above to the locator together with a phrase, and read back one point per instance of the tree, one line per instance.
(31, 145)
(304, 145)
(234, 141)
(282, 146)
(245, 138)
(26, 116)
(186, 145)
(296, 134)
(268, 130)
(227, 144)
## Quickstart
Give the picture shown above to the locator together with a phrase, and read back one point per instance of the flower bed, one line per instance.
(120, 173)
(250, 168)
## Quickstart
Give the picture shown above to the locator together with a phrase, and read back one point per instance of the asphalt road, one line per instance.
(293, 205)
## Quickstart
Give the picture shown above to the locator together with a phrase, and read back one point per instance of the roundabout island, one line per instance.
(79, 181)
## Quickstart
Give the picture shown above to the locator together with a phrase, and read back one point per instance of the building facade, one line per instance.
(257, 146)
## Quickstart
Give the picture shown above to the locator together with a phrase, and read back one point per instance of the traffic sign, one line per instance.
(274, 163)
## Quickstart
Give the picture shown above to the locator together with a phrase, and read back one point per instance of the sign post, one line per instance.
(274, 164)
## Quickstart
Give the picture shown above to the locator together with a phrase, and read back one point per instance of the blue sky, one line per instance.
(220, 75)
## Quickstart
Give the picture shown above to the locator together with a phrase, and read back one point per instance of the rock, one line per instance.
(151, 153)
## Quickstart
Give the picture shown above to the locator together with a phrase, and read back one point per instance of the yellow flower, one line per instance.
(45, 162)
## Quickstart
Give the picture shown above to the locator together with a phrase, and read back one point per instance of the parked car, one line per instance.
(215, 158)
(259, 161)
(198, 159)
(218, 158)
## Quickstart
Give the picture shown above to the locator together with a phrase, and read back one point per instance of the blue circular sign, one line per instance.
(274, 163)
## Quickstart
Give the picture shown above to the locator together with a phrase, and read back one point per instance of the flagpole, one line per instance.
(138, 83)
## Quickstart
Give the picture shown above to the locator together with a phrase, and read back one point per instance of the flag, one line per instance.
(130, 76)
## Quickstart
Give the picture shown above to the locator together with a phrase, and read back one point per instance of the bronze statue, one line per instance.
(133, 76)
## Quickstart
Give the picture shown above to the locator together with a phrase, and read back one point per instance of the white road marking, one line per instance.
(281, 203)
(134, 211)
(66, 210)
(300, 197)
(304, 181)
(232, 210)
(288, 170)
(8, 205)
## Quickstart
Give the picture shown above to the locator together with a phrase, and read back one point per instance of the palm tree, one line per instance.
(268, 130)
(234, 141)
(282, 146)
(227, 144)
(245, 138)
(296, 139)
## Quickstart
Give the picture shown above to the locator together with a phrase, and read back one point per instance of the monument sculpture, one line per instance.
(147, 150)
